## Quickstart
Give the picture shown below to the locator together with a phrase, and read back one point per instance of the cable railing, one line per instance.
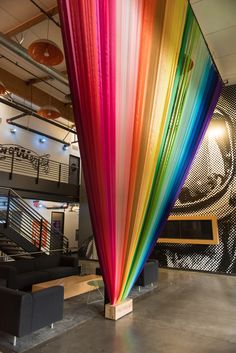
(34, 228)
(36, 167)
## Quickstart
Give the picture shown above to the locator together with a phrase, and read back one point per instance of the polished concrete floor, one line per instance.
(189, 312)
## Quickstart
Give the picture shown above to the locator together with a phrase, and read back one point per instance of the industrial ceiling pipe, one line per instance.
(22, 52)
(28, 111)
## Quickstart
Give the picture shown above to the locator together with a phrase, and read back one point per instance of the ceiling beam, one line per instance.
(31, 22)
(30, 92)
(33, 81)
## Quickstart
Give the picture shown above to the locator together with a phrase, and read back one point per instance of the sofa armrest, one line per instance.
(149, 274)
(154, 260)
(68, 261)
(48, 306)
(15, 312)
(9, 273)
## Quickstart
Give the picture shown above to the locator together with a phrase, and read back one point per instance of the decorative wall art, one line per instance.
(210, 189)
(144, 88)
(20, 153)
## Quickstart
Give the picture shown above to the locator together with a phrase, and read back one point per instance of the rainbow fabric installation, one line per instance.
(144, 88)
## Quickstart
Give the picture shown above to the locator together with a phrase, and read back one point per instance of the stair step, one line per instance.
(10, 248)
(17, 252)
(8, 243)
(10, 234)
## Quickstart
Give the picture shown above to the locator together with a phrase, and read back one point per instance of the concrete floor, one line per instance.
(190, 312)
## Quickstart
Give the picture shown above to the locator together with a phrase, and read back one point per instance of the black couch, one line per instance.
(149, 274)
(22, 313)
(22, 274)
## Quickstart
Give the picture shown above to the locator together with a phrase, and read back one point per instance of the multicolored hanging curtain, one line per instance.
(144, 88)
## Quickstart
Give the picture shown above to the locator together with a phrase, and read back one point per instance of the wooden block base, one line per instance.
(115, 312)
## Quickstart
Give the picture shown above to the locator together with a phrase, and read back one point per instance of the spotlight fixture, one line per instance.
(49, 112)
(65, 147)
(13, 130)
(42, 140)
(216, 130)
(45, 52)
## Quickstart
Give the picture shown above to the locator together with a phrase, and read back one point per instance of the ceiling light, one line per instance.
(49, 112)
(215, 132)
(42, 140)
(13, 130)
(216, 129)
(65, 147)
(45, 52)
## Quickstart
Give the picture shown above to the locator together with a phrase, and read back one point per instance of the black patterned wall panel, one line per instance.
(210, 189)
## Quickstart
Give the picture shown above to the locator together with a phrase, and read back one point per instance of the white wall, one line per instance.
(55, 149)
(70, 225)
(71, 219)
(31, 140)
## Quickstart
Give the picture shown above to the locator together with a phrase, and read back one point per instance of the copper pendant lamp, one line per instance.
(49, 112)
(45, 52)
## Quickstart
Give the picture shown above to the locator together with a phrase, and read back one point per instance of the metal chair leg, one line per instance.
(14, 340)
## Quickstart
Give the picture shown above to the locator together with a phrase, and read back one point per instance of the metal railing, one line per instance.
(31, 225)
(36, 167)
(5, 257)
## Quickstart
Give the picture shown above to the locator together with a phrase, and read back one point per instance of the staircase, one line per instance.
(23, 231)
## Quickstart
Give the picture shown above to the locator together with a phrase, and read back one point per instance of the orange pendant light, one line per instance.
(45, 52)
(49, 112)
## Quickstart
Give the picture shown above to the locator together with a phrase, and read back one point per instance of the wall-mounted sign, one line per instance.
(21, 153)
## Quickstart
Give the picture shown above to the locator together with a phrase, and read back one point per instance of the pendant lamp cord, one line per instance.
(50, 17)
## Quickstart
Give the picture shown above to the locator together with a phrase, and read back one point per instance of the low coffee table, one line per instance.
(97, 284)
(73, 285)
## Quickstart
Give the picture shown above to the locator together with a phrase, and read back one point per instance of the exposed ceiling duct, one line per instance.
(22, 52)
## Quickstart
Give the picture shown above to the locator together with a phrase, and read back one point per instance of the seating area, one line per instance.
(148, 275)
(22, 274)
(22, 313)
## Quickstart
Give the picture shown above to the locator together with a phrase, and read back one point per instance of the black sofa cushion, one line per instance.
(41, 269)
(45, 261)
(68, 261)
(15, 312)
(60, 271)
(22, 313)
(3, 282)
(8, 273)
(24, 280)
(23, 266)
(47, 307)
